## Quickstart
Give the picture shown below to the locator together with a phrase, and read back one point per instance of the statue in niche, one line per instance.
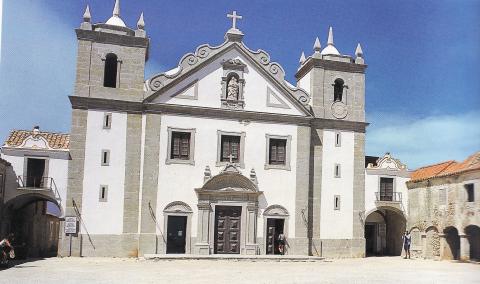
(232, 89)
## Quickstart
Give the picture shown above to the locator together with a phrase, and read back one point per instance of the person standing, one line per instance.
(407, 240)
(281, 243)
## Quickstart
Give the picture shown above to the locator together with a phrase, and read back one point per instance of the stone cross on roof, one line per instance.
(231, 158)
(234, 18)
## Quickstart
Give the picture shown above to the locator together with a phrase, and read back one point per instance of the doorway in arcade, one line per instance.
(383, 232)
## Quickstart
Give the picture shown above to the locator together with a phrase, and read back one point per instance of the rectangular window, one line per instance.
(1, 183)
(277, 151)
(105, 157)
(230, 148)
(442, 196)
(103, 193)
(338, 139)
(337, 170)
(107, 120)
(180, 147)
(336, 201)
(386, 189)
(470, 192)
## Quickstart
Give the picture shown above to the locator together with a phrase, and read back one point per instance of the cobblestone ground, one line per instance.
(114, 270)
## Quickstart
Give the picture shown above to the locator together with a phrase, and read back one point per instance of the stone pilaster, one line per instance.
(78, 136)
(203, 227)
(315, 185)
(132, 173)
(148, 242)
(464, 247)
(359, 194)
(424, 245)
(302, 223)
(251, 247)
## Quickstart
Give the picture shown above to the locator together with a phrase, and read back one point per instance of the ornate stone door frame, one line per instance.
(229, 188)
(178, 208)
(274, 212)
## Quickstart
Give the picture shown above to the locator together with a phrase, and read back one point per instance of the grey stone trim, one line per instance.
(315, 179)
(188, 234)
(302, 190)
(132, 173)
(124, 245)
(329, 65)
(263, 241)
(105, 162)
(341, 248)
(110, 38)
(76, 171)
(150, 185)
(105, 195)
(205, 54)
(107, 116)
(338, 138)
(137, 107)
(359, 186)
(242, 135)
(288, 138)
(193, 84)
(387, 172)
(282, 104)
(191, 160)
(52, 154)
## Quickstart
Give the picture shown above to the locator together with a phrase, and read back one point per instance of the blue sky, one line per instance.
(422, 88)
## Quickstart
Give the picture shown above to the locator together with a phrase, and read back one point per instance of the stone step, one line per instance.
(234, 257)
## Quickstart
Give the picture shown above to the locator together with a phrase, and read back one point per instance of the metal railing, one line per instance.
(35, 182)
(391, 196)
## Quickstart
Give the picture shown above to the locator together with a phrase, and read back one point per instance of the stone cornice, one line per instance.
(111, 38)
(329, 65)
(216, 113)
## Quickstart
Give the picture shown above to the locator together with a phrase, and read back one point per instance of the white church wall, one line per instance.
(337, 224)
(104, 217)
(209, 88)
(304, 83)
(177, 181)
(58, 170)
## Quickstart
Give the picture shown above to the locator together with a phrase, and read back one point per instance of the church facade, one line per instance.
(218, 155)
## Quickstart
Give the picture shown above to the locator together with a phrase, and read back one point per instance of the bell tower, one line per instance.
(335, 82)
(111, 58)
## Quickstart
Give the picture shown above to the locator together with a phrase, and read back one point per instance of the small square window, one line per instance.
(107, 120)
(337, 171)
(180, 147)
(103, 193)
(336, 205)
(338, 139)
(470, 192)
(277, 151)
(105, 157)
(230, 148)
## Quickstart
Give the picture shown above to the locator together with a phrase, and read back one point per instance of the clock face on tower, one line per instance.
(339, 110)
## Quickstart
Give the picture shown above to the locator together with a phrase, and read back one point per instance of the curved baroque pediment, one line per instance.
(275, 210)
(178, 207)
(206, 53)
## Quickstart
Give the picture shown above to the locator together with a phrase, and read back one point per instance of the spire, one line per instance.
(141, 22)
(330, 36)
(86, 16)
(302, 58)
(359, 51)
(317, 46)
(116, 8)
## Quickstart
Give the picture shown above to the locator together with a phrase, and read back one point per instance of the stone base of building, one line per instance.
(339, 248)
(125, 245)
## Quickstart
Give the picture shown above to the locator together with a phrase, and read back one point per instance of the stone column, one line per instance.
(424, 245)
(443, 245)
(464, 247)
(202, 246)
(251, 247)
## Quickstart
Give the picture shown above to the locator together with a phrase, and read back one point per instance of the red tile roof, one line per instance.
(446, 168)
(55, 140)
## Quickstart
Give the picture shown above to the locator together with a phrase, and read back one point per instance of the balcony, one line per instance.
(388, 196)
(35, 183)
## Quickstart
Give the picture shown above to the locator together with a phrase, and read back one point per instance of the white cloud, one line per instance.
(424, 141)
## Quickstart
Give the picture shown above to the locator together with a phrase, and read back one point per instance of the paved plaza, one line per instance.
(118, 270)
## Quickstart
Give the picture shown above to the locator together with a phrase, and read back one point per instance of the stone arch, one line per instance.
(275, 210)
(415, 232)
(110, 71)
(384, 227)
(177, 207)
(473, 235)
(338, 86)
(452, 248)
